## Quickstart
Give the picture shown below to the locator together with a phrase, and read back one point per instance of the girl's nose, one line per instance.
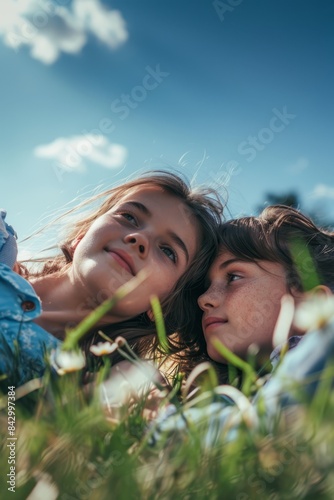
(209, 299)
(138, 241)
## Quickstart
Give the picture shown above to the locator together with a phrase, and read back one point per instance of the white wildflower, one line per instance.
(103, 348)
(120, 341)
(70, 361)
(314, 313)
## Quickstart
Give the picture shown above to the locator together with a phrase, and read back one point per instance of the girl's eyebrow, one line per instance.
(173, 236)
(140, 207)
(209, 278)
(177, 240)
(230, 261)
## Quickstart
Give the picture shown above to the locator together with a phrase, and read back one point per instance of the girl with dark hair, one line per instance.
(253, 270)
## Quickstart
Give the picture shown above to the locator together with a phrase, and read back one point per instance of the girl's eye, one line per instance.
(232, 277)
(129, 217)
(170, 253)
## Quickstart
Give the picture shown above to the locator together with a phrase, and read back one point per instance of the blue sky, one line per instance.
(234, 92)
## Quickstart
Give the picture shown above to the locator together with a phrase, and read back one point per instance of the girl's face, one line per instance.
(147, 229)
(242, 304)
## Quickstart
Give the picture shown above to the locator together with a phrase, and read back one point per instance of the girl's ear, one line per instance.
(70, 249)
(322, 290)
(150, 314)
(76, 242)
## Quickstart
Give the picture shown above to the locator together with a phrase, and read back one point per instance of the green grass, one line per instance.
(75, 448)
(65, 437)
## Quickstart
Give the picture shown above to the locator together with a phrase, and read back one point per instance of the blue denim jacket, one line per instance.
(8, 247)
(23, 343)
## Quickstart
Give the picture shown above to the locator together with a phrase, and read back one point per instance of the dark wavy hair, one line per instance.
(269, 237)
(182, 322)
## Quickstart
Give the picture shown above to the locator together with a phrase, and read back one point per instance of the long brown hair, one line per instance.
(178, 309)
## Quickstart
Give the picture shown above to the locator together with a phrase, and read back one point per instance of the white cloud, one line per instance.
(299, 165)
(107, 25)
(50, 28)
(323, 191)
(72, 153)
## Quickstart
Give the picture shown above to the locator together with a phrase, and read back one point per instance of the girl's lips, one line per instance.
(121, 261)
(211, 323)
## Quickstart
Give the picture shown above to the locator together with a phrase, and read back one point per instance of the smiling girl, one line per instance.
(253, 270)
(156, 224)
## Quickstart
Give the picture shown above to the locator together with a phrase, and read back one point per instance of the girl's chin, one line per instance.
(215, 356)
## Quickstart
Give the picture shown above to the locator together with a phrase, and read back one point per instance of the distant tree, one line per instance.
(292, 199)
